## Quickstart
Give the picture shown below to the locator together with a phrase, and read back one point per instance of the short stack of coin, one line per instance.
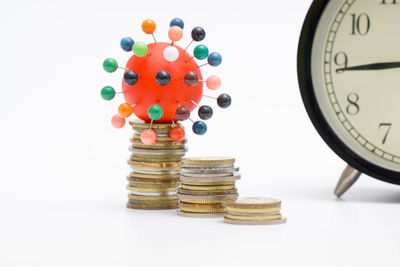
(262, 211)
(205, 183)
(154, 179)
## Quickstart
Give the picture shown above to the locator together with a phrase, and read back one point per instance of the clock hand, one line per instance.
(374, 66)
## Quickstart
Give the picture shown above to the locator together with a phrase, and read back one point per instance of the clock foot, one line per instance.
(347, 179)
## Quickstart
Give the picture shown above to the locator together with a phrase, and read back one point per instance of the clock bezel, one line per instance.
(313, 109)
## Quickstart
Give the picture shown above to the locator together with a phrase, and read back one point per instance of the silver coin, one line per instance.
(266, 222)
(154, 194)
(210, 171)
(155, 172)
(200, 215)
(193, 166)
(208, 175)
(213, 178)
(139, 151)
(183, 197)
(253, 214)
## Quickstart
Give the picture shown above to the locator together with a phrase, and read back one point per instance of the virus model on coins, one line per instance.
(162, 82)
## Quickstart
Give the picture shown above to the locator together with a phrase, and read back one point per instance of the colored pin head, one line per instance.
(200, 52)
(177, 134)
(199, 128)
(130, 77)
(148, 26)
(127, 43)
(171, 53)
(140, 49)
(110, 65)
(198, 34)
(213, 82)
(182, 113)
(107, 93)
(175, 33)
(117, 121)
(191, 78)
(205, 112)
(177, 22)
(163, 78)
(214, 59)
(155, 112)
(224, 100)
(148, 137)
(125, 110)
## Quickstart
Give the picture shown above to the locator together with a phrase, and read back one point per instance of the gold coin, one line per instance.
(200, 206)
(252, 211)
(253, 218)
(194, 210)
(152, 169)
(200, 201)
(200, 215)
(154, 176)
(135, 157)
(154, 189)
(153, 202)
(267, 222)
(155, 198)
(158, 146)
(144, 125)
(153, 181)
(232, 183)
(205, 193)
(208, 160)
(188, 198)
(251, 203)
(151, 207)
(152, 185)
(208, 188)
(159, 138)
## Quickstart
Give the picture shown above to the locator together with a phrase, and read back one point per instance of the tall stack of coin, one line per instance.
(154, 179)
(254, 211)
(205, 183)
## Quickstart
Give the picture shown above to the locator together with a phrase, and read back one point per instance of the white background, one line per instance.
(63, 167)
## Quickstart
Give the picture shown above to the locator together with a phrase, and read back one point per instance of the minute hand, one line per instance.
(374, 66)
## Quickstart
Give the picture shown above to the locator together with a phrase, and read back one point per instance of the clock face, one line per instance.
(354, 65)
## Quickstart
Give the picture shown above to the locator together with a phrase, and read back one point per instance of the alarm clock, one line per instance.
(349, 77)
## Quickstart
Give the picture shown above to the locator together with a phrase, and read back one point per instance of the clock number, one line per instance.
(341, 60)
(389, 2)
(360, 24)
(353, 108)
(388, 127)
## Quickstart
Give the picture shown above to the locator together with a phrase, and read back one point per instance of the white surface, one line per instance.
(62, 175)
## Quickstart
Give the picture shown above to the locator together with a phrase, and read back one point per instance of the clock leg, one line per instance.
(347, 179)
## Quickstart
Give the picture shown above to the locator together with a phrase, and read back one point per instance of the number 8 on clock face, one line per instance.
(349, 77)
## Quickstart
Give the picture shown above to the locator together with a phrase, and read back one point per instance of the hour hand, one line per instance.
(373, 66)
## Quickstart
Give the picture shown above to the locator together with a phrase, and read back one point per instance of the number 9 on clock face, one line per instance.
(349, 77)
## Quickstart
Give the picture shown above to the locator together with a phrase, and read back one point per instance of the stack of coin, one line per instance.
(154, 179)
(254, 211)
(205, 183)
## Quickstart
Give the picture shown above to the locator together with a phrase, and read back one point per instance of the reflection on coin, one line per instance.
(270, 222)
(160, 198)
(154, 176)
(207, 175)
(170, 193)
(151, 189)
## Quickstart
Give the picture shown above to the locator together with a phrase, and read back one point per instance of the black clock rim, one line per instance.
(313, 109)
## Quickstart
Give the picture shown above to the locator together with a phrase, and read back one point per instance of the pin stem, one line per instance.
(188, 45)
(203, 65)
(154, 38)
(151, 124)
(194, 102)
(210, 96)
